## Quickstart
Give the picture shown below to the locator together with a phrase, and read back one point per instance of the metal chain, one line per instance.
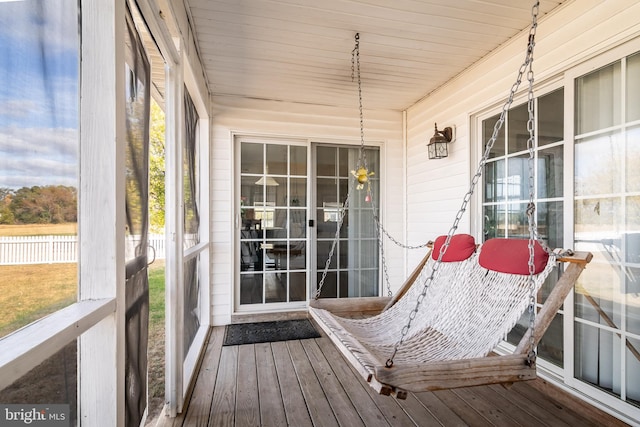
(355, 72)
(474, 181)
(380, 239)
(362, 161)
(531, 209)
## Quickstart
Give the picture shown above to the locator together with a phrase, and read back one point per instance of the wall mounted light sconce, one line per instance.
(437, 146)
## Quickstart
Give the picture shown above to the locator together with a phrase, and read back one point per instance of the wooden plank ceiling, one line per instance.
(300, 50)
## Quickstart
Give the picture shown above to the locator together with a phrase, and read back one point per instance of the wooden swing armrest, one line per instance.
(351, 306)
(457, 373)
(577, 262)
(577, 257)
(410, 280)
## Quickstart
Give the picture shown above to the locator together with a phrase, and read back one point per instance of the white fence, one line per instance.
(16, 250)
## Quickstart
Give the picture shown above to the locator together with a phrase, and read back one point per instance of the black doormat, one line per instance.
(252, 333)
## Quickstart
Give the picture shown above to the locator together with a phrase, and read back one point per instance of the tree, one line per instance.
(156, 169)
(6, 216)
(50, 204)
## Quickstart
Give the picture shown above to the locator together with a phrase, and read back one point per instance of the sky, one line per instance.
(39, 50)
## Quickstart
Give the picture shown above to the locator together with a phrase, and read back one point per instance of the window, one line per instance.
(39, 47)
(506, 192)
(38, 159)
(607, 223)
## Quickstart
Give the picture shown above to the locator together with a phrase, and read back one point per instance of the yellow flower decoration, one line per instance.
(362, 175)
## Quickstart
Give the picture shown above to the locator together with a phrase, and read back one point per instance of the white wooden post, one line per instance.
(102, 212)
(174, 220)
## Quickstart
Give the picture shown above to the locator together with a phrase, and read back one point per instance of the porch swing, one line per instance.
(441, 328)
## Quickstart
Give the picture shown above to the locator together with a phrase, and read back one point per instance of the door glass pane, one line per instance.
(345, 162)
(273, 234)
(298, 160)
(494, 222)
(517, 221)
(598, 103)
(550, 346)
(551, 117)
(598, 164)
(494, 181)
(598, 219)
(550, 223)
(633, 87)
(357, 250)
(597, 358)
(488, 127)
(632, 288)
(633, 371)
(297, 223)
(632, 159)
(551, 172)
(297, 286)
(277, 159)
(517, 179)
(251, 288)
(251, 158)
(298, 255)
(298, 191)
(326, 161)
(518, 133)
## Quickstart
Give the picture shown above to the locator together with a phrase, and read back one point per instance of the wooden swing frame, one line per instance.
(400, 379)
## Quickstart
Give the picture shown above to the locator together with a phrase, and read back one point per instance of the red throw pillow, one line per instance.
(461, 247)
(512, 256)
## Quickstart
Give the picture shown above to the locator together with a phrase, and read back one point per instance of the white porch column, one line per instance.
(101, 216)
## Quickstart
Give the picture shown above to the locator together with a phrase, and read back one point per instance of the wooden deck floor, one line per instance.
(308, 383)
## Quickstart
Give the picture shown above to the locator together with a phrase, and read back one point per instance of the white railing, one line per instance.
(16, 250)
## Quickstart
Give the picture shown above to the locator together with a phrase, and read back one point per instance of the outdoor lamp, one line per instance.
(437, 146)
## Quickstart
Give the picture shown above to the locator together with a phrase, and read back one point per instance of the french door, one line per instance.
(291, 196)
(353, 268)
(272, 225)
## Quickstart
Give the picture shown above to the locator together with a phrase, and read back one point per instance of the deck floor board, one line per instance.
(309, 383)
(272, 413)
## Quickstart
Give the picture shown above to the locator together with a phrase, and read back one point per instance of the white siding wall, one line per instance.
(234, 116)
(577, 31)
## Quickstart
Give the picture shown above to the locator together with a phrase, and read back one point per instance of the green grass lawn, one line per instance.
(156, 346)
(29, 292)
(156, 294)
